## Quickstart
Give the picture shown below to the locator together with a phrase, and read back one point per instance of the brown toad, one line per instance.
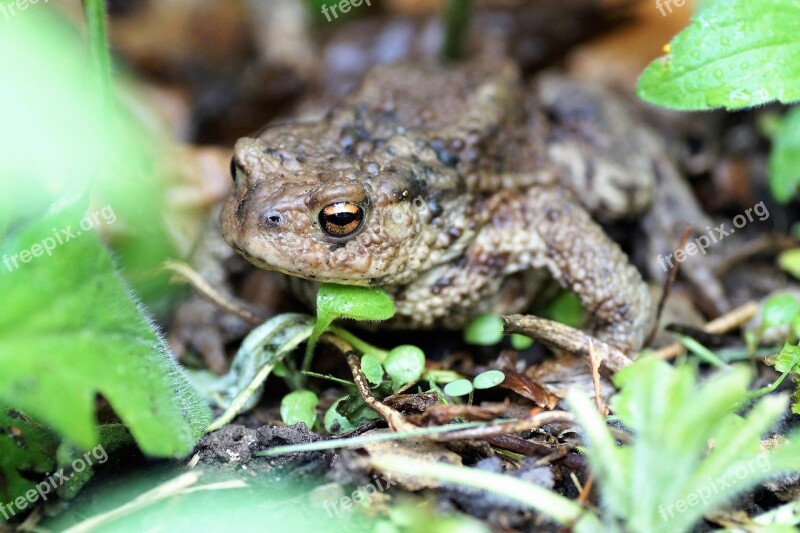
(459, 190)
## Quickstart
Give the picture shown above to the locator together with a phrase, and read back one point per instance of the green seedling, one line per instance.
(346, 301)
(299, 406)
(778, 312)
(404, 364)
(790, 261)
(484, 380)
(488, 379)
(484, 330)
(372, 369)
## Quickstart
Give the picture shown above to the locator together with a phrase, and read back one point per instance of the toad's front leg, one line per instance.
(547, 228)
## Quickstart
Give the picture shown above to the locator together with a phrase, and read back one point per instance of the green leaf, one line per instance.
(346, 301)
(404, 364)
(665, 462)
(779, 311)
(336, 422)
(484, 330)
(784, 161)
(90, 142)
(70, 331)
(26, 448)
(790, 262)
(734, 54)
(459, 387)
(520, 342)
(566, 308)
(299, 406)
(488, 379)
(372, 369)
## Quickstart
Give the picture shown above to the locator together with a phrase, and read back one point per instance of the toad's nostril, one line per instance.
(272, 219)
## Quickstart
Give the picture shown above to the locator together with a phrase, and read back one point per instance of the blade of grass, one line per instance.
(362, 440)
(558, 508)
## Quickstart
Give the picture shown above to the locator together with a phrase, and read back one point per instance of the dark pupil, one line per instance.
(342, 218)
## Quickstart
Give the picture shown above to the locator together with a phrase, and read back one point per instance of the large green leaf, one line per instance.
(734, 54)
(70, 330)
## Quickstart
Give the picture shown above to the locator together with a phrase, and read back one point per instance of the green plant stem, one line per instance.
(702, 352)
(331, 444)
(95, 13)
(360, 345)
(458, 17)
(555, 506)
(328, 377)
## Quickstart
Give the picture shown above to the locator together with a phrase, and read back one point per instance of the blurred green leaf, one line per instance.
(520, 342)
(62, 135)
(565, 308)
(666, 459)
(299, 406)
(790, 262)
(734, 54)
(459, 387)
(784, 160)
(404, 364)
(70, 331)
(488, 379)
(484, 330)
(779, 311)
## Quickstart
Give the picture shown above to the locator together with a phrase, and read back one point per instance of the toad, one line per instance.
(458, 190)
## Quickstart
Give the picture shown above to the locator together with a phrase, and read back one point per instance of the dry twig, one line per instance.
(562, 337)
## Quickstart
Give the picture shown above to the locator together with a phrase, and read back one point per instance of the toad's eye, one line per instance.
(341, 219)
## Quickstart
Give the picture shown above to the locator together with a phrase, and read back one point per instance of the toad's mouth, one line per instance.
(296, 267)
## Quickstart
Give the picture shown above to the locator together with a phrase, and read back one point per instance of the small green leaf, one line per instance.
(734, 54)
(404, 364)
(346, 301)
(788, 358)
(488, 379)
(372, 369)
(520, 342)
(484, 330)
(784, 161)
(566, 308)
(335, 422)
(779, 311)
(459, 387)
(790, 262)
(299, 406)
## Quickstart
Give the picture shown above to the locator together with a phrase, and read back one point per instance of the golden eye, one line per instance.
(341, 219)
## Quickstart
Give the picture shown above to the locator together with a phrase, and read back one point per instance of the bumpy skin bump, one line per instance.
(468, 182)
